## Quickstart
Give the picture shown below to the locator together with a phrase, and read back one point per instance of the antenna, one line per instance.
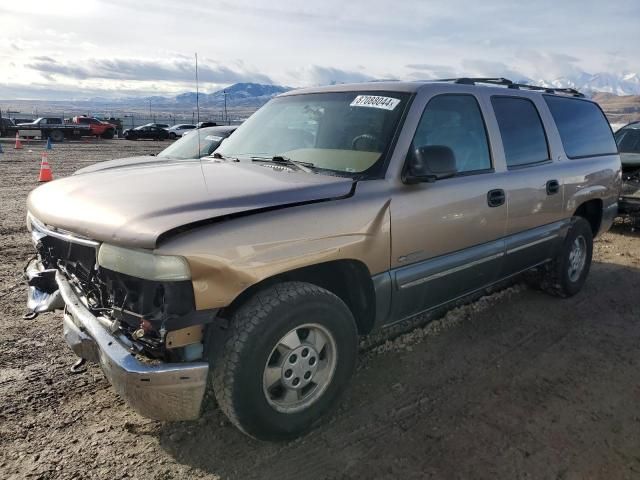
(197, 104)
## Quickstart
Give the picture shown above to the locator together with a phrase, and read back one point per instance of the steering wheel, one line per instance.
(365, 136)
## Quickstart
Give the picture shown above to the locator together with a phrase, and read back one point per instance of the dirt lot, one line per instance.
(515, 385)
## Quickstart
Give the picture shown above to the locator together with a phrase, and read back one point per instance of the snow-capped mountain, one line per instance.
(239, 94)
(624, 84)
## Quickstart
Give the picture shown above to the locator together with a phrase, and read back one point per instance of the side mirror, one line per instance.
(429, 163)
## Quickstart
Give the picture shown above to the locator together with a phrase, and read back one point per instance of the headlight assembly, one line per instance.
(143, 264)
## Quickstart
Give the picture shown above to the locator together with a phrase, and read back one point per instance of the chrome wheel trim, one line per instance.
(299, 368)
(577, 258)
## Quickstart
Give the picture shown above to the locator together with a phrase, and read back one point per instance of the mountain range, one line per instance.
(625, 84)
(244, 94)
(254, 94)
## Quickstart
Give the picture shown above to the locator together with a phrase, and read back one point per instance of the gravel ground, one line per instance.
(514, 385)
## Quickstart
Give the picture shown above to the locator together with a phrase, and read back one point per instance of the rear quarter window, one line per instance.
(583, 128)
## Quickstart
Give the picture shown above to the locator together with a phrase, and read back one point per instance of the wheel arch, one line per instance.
(591, 211)
(348, 279)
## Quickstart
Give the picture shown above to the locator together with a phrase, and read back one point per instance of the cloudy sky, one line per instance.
(79, 48)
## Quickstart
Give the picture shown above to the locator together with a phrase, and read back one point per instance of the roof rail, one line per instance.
(510, 84)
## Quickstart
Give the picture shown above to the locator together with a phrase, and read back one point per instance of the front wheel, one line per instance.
(289, 355)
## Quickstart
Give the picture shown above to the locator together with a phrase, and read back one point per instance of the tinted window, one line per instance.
(455, 121)
(628, 140)
(583, 128)
(521, 130)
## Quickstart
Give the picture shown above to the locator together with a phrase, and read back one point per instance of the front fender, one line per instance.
(229, 257)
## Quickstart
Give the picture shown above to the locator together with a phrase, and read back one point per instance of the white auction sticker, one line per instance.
(373, 101)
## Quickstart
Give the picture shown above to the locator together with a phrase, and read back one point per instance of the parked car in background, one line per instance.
(628, 141)
(57, 129)
(206, 124)
(179, 130)
(146, 132)
(97, 128)
(331, 212)
(7, 127)
(190, 147)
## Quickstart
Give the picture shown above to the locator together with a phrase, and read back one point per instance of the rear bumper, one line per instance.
(162, 391)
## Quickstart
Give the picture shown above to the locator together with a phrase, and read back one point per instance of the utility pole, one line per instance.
(197, 90)
(226, 117)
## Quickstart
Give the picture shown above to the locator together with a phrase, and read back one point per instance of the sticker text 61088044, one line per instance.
(374, 101)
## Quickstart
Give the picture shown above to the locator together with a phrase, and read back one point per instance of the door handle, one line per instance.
(496, 197)
(553, 187)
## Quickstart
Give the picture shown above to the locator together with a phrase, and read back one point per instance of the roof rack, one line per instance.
(510, 84)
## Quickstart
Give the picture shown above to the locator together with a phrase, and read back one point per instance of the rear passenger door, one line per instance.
(534, 186)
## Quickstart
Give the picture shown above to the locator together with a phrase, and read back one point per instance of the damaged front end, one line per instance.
(144, 332)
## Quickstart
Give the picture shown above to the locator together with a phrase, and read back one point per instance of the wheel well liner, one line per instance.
(350, 280)
(591, 211)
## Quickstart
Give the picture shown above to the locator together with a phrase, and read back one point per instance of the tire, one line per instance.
(56, 136)
(251, 381)
(565, 275)
(172, 136)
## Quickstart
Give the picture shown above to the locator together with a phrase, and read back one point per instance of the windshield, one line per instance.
(345, 132)
(187, 147)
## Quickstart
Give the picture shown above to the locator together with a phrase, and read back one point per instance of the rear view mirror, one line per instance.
(429, 163)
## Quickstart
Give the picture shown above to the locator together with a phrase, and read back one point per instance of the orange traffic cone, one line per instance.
(45, 170)
(18, 145)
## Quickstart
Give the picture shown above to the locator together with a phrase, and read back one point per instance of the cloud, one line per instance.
(548, 65)
(319, 75)
(173, 70)
(485, 68)
(426, 71)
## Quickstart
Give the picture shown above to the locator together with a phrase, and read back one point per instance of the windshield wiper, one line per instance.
(224, 157)
(304, 166)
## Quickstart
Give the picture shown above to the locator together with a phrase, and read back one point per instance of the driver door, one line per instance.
(447, 235)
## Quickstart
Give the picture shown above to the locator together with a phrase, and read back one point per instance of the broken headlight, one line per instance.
(143, 264)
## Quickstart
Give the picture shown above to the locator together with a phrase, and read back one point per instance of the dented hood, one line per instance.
(134, 206)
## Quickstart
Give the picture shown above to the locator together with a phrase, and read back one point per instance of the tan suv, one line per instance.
(331, 212)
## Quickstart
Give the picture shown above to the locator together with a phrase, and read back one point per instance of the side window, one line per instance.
(583, 128)
(521, 129)
(455, 121)
(629, 140)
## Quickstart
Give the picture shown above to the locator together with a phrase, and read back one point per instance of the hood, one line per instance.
(147, 160)
(134, 206)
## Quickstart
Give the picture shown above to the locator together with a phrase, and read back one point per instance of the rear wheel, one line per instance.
(172, 136)
(108, 135)
(290, 353)
(566, 274)
(56, 135)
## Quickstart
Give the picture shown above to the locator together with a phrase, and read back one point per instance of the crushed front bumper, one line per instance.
(162, 391)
